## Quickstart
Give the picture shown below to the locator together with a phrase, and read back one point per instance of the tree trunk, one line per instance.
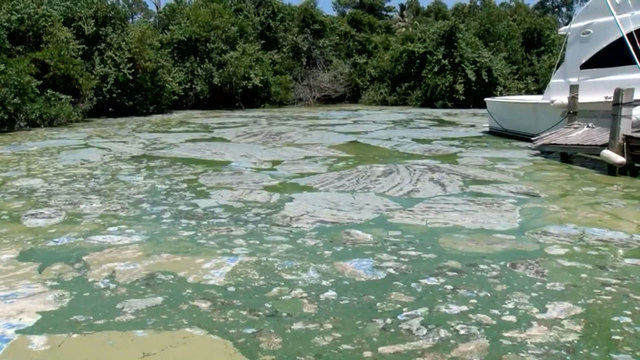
(158, 5)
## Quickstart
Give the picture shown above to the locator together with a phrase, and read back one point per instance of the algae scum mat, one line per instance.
(333, 233)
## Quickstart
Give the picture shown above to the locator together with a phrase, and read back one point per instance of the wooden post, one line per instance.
(626, 115)
(620, 119)
(572, 103)
(572, 114)
(621, 111)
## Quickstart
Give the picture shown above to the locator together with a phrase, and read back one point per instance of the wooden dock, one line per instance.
(574, 138)
(618, 145)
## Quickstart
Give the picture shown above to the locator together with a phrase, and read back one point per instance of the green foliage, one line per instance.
(59, 67)
(43, 82)
(135, 9)
(22, 104)
(134, 73)
(561, 9)
(63, 59)
(456, 58)
(198, 47)
(436, 10)
(245, 76)
(441, 65)
(376, 8)
(17, 89)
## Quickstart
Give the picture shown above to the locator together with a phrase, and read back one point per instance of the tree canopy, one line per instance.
(63, 60)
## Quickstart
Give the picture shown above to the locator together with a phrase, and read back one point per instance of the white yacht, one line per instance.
(598, 58)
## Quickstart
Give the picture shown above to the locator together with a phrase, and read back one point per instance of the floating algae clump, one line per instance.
(471, 213)
(360, 269)
(406, 180)
(42, 217)
(485, 243)
(308, 210)
(267, 228)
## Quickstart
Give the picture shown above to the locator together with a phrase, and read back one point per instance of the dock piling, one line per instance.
(618, 146)
(620, 119)
(614, 155)
(572, 103)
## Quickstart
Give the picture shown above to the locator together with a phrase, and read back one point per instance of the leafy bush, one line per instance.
(22, 104)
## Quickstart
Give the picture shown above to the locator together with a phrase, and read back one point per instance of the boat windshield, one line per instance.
(615, 54)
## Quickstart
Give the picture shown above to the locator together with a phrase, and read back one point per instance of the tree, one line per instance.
(408, 13)
(157, 4)
(135, 9)
(43, 79)
(561, 9)
(437, 10)
(376, 8)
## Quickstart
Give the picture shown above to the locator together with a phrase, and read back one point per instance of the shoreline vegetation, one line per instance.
(64, 60)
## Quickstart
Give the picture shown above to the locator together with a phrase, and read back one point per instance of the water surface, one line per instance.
(343, 232)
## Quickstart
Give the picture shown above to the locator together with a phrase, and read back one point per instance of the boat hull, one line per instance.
(527, 116)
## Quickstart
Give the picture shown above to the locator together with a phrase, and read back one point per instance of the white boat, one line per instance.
(598, 58)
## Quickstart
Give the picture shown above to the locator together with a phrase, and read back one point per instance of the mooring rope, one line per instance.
(540, 133)
(554, 125)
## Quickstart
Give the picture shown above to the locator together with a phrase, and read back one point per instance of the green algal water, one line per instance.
(336, 233)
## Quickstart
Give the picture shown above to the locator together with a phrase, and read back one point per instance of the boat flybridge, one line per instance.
(602, 51)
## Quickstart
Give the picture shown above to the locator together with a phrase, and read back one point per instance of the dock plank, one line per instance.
(576, 137)
(576, 134)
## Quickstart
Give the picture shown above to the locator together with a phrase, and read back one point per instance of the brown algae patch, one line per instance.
(485, 244)
(471, 213)
(407, 146)
(360, 269)
(59, 271)
(23, 296)
(236, 198)
(407, 180)
(109, 345)
(123, 262)
(353, 237)
(129, 263)
(572, 234)
(15, 274)
(569, 331)
(269, 340)
(308, 210)
(42, 217)
(472, 350)
(510, 190)
(560, 310)
(133, 305)
(429, 340)
(530, 268)
(237, 179)
(234, 152)
(294, 167)
(282, 135)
